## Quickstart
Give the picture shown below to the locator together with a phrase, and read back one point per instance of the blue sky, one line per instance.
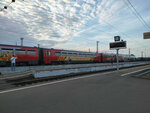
(76, 24)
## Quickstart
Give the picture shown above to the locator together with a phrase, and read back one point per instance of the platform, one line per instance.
(56, 70)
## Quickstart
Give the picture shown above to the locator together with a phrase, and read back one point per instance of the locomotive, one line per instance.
(42, 56)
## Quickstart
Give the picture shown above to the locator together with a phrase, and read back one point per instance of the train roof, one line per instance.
(64, 50)
(6, 45)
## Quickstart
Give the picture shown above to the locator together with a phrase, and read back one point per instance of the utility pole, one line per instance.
(97, 46)
(129, 53)
(117, 60)
(145, 52)
(89, 49)
(21, 41)
(38, 45)
(142, 54)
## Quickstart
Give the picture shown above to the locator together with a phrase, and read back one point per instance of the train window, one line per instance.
(84, 55)
(7, 51)
(74, 54)
(88, 55)
(69, 54)
(45, 53)
(57, 54)
(91, 55)
(31, 52)
(64, 54)
(81, 55)
(20, 51)
(49, 53)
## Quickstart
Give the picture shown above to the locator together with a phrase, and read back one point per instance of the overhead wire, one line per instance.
(5, 7)
(139, 17)
(137, 14)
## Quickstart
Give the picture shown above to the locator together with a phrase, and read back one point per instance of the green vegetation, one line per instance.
(147, 75)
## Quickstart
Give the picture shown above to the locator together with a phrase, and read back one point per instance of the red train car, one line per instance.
(98, 58)
(50, 56)
(54, 56)
(107, 57)
(40, 56)
(25, 55)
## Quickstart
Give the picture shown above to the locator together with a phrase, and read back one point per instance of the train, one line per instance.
(45, 56)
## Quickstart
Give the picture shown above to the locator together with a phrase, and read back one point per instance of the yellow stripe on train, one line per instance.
(62, 58)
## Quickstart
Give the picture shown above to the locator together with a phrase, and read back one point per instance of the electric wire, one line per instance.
(137, 14)
(5, 7)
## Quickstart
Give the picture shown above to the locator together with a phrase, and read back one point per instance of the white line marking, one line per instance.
(133, 72)
(55, 82)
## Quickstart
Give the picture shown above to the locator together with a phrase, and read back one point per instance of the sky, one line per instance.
(76, 24)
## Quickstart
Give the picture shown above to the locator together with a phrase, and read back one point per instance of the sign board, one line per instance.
(117, 45)
(146, 35)
(117, 38)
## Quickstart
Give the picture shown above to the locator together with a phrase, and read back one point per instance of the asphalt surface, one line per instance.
(107, 92)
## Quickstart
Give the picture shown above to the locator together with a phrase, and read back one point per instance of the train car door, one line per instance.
(41, 56)
(49, 56)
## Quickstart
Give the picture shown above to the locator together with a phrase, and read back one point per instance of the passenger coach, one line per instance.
(53, 56)
(41, 56)
(25, 55)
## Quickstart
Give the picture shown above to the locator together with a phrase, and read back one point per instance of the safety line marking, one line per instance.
(133, 72)
(55, 82)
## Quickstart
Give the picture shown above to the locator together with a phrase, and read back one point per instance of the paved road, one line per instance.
(96, 93)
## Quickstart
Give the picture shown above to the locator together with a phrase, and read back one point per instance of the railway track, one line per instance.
(11, 83)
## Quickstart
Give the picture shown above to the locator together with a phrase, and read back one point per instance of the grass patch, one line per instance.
(147, 75)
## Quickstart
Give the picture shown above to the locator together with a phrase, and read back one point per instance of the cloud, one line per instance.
(49, 20)
(57, 23)
(109, 10)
